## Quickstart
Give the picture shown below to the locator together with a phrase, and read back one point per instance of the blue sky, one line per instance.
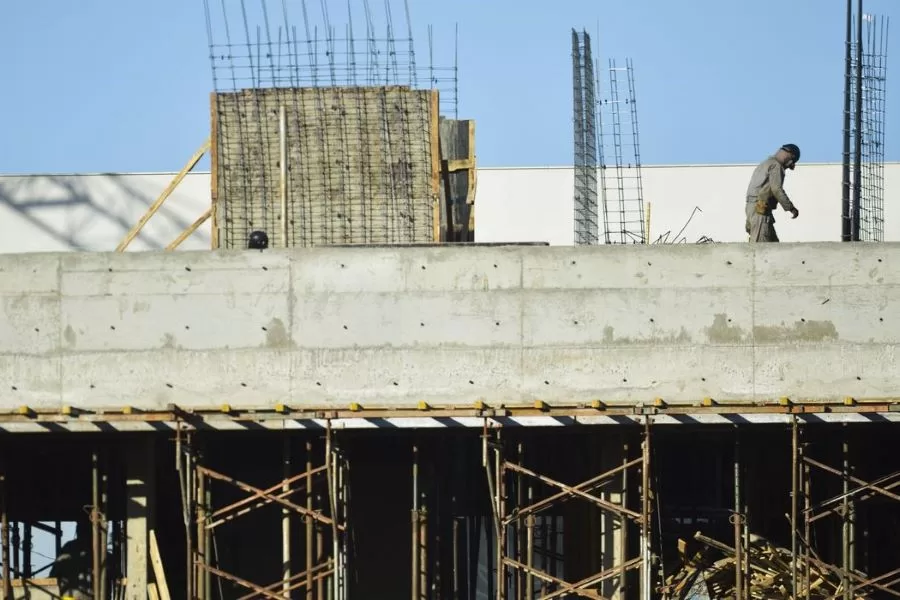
(113, 85)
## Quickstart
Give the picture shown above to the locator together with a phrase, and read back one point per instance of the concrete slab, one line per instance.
(389, 326)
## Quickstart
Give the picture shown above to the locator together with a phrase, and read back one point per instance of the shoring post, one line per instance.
(795, 475)
(202, 549)
(646, 567)
(309, 522)
(4, 540)
(499, 465)
(95, 524)
(737, 518)
(286, 518)
(415, 523)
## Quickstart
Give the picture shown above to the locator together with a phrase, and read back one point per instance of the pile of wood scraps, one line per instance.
(708, 571)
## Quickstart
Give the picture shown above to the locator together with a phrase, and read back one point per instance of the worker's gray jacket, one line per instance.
(766, 186)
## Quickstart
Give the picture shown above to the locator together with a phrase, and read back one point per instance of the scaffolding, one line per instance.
(584, 93)
(622, 193)
(324, 137)
(280, 516)
(322, 513)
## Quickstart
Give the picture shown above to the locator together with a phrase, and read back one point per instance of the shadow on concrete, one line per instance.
(55, 204)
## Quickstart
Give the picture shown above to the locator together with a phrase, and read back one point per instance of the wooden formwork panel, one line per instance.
(362, 165)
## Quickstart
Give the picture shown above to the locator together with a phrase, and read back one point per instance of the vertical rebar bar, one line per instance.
(857, 159)
(845, 166)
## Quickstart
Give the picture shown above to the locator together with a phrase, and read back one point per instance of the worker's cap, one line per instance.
(793, 150)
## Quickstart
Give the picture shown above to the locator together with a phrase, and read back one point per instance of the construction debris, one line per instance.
(709, 571)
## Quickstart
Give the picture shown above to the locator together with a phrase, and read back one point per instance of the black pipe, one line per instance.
(857, 163)
(845, 191)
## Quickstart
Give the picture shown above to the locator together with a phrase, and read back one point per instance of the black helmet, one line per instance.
(793, 150)
(258, 240)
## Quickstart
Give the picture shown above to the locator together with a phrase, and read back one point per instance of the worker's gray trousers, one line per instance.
(760, 228)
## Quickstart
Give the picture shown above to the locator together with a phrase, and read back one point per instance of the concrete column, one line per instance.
(140, 490)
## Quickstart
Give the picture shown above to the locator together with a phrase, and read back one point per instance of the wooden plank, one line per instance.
(457, 167)
(214, 169)
(133, 233)
(191, 229)
(435, 120)
(158, 571)
(473, 180)
(152, 592)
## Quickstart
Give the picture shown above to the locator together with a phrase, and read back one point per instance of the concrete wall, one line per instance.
(93, 212)
(391, 327)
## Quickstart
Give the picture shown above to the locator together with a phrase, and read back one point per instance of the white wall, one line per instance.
(94, 212)
(537, 204)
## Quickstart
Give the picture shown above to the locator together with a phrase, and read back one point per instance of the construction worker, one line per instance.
(73, 567)
(766, 191)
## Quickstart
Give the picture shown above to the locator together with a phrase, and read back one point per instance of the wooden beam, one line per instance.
(163, 197)
(191, 229)
(435, 119)
(158, 571)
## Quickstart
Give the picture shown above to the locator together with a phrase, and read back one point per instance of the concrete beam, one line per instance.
(389, 327)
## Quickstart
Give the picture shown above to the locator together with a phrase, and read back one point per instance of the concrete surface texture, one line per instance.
(359, 165)
(390, 327)
(48, 213)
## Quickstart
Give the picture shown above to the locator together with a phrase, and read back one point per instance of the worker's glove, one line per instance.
(795, 213)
